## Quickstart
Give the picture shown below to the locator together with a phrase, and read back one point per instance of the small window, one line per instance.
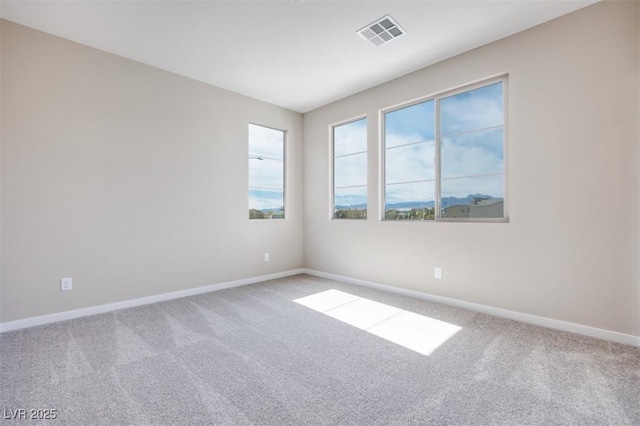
(350, 170)
(444, 156)
(266, 173)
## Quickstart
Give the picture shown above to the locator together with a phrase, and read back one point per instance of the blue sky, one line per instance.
(414, 123)
(350, 137)
(471, 130)
(466, 149)
(475, 109)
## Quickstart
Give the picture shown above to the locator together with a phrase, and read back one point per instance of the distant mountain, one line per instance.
(446, 202)
(452, 201)
(277, 209)
(352, 207)
(412, 205)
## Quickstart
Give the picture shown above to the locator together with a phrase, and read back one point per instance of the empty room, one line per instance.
(316, 212)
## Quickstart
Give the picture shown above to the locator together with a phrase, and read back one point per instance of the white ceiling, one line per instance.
(297, 56)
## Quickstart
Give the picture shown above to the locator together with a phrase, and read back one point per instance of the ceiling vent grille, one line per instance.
(382, 31)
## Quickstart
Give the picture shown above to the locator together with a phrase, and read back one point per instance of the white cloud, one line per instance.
(469, 155)
(410, 192)
(350, 138)
(266, 142)
(266, 173)
(350, 170)
(410, 163)
(475, 109)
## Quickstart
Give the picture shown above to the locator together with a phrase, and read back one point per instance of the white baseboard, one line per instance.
(93, 310)
(626, 339)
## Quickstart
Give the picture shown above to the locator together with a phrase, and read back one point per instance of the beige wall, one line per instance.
(570, 251)
(129, 179)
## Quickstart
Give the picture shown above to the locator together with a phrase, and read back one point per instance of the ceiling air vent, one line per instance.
(381, 31)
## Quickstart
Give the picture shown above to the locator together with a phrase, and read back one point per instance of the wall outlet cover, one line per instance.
(66, 284)
(437, 272)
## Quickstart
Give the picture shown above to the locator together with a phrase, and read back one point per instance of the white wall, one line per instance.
(570, 251)
(129, 179)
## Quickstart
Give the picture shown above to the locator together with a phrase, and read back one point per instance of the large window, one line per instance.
(266, 173)
(350, 170)
(444, 157)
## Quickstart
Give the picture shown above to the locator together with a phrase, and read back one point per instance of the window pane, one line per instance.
(409, 157)
(475, 109)
(410, 201)
(266, 204)
(266, 173)
(415, 123)
(477, 197)
(350, 203)
(471, 154)
(350, 138)
(265, 142)
(410, 163)
(350, 170)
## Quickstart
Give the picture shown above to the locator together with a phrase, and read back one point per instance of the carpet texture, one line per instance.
(251, 355)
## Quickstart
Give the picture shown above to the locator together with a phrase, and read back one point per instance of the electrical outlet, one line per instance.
(437, 272)
(66, 284)
(266, 257)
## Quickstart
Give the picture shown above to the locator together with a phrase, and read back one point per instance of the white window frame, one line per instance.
(437, 97)
(285, 209)
(332, 158)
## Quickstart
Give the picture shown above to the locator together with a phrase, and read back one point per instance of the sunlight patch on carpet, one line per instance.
(413, 331)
